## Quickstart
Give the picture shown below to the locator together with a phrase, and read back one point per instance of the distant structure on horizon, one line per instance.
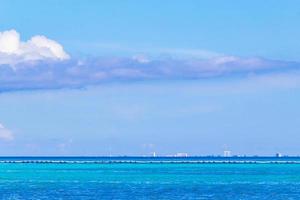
(227, 153)
(181, 155)
(278, 155)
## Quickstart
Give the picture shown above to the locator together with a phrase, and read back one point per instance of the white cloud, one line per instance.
(5, 134)
(9, 41)
(13, 50)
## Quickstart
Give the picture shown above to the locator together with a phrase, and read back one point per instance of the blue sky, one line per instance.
(252, 28)
(133, 77)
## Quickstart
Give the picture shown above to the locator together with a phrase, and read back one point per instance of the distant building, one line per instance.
(227, 153)
(278, 155)
(181, 155)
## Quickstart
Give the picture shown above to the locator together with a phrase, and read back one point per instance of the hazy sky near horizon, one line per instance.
(133, 77)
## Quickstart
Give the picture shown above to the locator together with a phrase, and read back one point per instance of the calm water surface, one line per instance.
(149, 181)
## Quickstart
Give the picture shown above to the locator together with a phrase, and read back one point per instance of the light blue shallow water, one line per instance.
(149, 181)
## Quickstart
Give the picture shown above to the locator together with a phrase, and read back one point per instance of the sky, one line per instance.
(137, 77)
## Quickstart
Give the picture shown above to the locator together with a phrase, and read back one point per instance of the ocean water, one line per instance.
(150, 178)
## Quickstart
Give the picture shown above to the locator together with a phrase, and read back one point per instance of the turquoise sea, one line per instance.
(150, 178)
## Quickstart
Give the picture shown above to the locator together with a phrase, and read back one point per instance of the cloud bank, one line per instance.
(41, 63)
(5, 134)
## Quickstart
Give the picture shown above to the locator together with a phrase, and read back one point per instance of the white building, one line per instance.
(227, 153)
(181, 155)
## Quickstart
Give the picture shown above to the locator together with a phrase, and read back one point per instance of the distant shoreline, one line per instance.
(150, 160)
(129, 156)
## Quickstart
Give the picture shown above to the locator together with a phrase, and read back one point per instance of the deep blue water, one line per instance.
(149, 178)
